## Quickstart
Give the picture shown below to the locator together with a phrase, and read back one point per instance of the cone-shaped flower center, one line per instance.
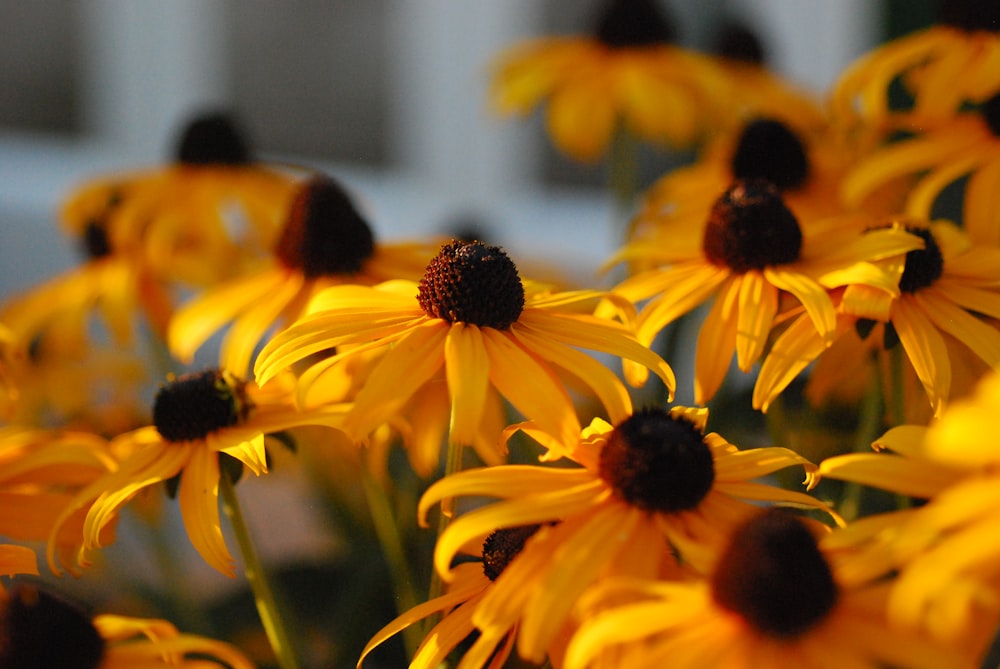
(991, 114)
(502, 546)
(213, 139)
(923, 266)
(40, 631)
(657, 462)
(769, 150)
(194, 405)
(472, 282)
(970, 15)
(739, 43)
(324, 234)
(774, 576)
(632, 23)
(751, 228)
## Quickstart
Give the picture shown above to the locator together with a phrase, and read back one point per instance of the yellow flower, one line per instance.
(654, 483)
(942, 67)
(750, 254)
(945, 550)
(182, 220)
(40, 471)
(946, 290)
(966, 146)
(776, 598)
(626, 75)
(471, 316)
(325, 242)
(195, 418)
(43, 630)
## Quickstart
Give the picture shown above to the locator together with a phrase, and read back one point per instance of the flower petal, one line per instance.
(467, 370)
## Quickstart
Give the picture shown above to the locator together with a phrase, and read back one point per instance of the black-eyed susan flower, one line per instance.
(775, 598)
(945, 550)
(196, 220)
(40, 629)
(626, 75)
(750, 255)
(948, 291)
(655, 480)
(196, 417)
(944, 67)
(325, 241)
(472, 323)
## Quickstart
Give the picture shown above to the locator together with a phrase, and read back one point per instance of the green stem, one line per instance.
(869, 429)
(267, 606)
(623, 179)
(896, 396)
(453, 465)
(387, 531)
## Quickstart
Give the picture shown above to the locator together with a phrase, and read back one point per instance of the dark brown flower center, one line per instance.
(923, 266)
(774, 576)
(769, 150)
(40, 631)
(750, 227)
(991, 114)
(324, 234)
(633, 23)
(213, 139)
(737, 42)
(657, 462)
(970, 15)
(195, 405)
(472, 282)
(502, 546)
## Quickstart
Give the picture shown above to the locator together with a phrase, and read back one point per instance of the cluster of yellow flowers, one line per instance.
(811, 240)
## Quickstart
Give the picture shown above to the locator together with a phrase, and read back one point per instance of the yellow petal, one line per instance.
(581, 116)
(797, 346)
(758, 303)
(199, 503)
(926, 351)
(716, 343)
(467, 369)
(810, 294)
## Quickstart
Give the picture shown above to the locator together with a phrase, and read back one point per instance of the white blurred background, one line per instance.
(388, 95)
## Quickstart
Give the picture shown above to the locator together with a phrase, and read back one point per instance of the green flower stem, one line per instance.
(267, 606)
(453, 464)
(623, 179)
(387, 531)
(869, 429)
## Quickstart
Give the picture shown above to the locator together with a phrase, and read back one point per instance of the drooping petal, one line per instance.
(926, 350)
(758, 303)
(198, 498)
(581, 116)
(810, 294)
(716, 344)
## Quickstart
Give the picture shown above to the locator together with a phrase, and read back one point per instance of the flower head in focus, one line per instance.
(626, 75)
(472, 317)
(656, 483)
(750, 255)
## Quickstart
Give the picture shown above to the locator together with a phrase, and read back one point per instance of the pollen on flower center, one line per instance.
(502, 546)
(324, 233)
(750, 228)
(970, 15)
(632, 23)
(657, 462)
(768, 149)
(38, 629)
(213, 139)
(923, 266)
(472, 282)
(194, 405)
(774, 576)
